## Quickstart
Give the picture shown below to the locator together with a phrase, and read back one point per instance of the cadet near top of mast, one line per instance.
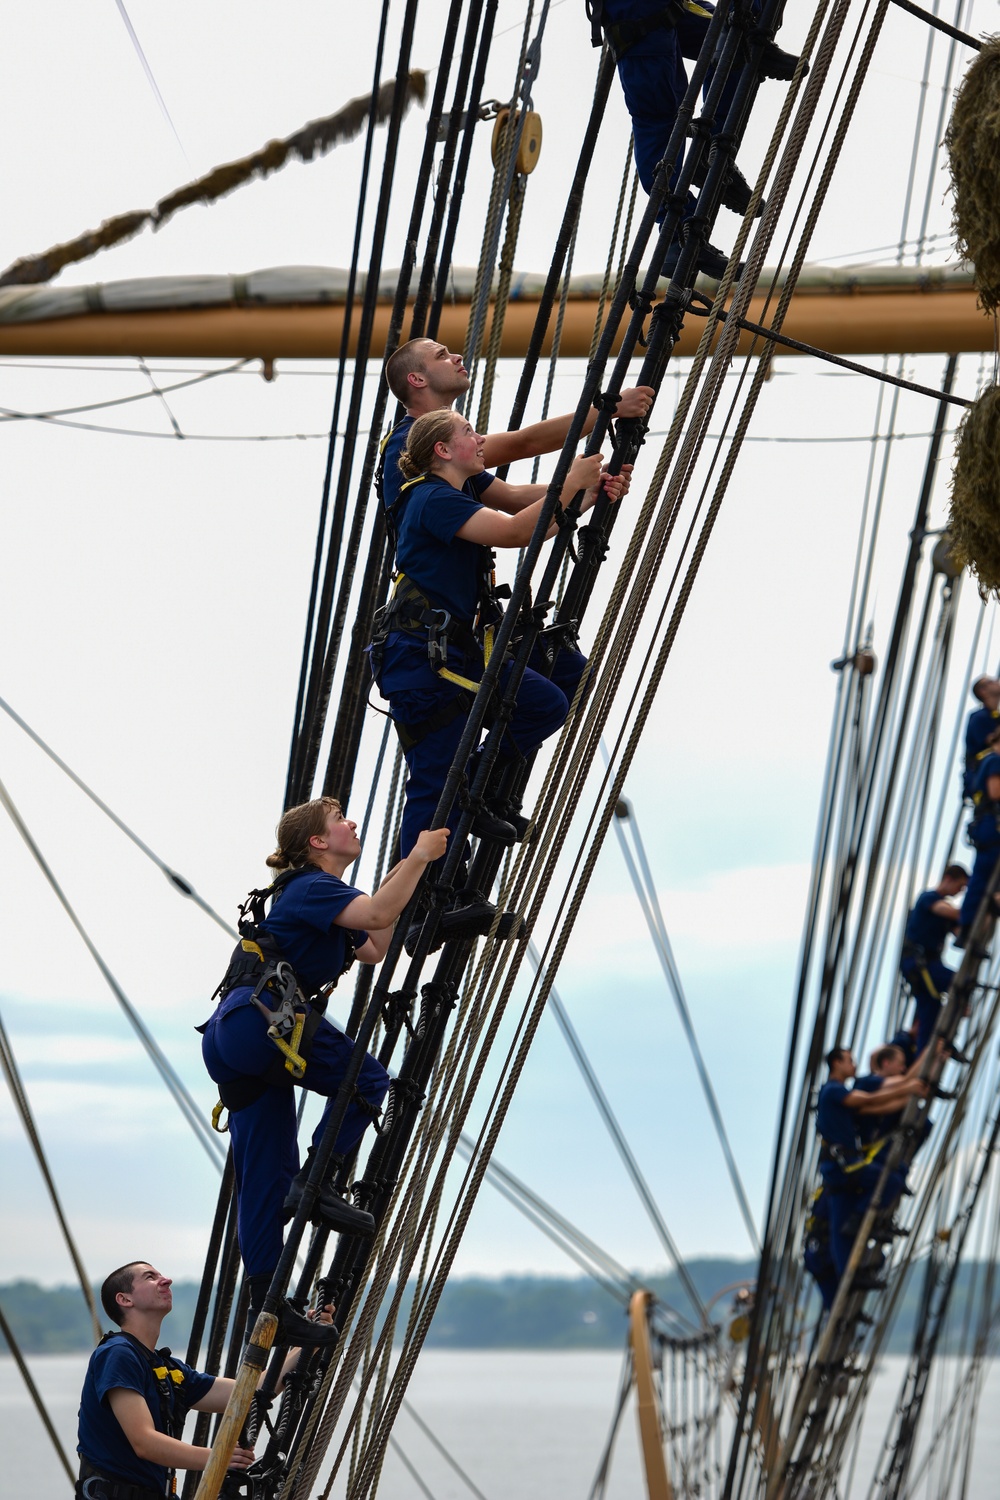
(983, 832)
(649, 40)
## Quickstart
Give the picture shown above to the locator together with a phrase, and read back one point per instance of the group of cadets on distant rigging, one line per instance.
(846, 1120)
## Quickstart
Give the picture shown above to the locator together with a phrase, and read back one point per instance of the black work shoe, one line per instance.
(777, 64)
(868, 1281)
(517, 821)
(960, 937)
(711, 262)
(296, 1331)
(954, 1055)
(486, 825)
(737, 192)
(473, 916)
(884, 1234)
(330, 1209)
(948, 1095)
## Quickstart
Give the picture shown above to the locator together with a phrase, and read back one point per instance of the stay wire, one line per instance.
(617, 1135)
(36, 1396)
(179, 882)
(8, 1063)
(182, 1098)
(642, 881)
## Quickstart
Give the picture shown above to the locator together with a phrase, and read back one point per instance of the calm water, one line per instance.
(530, 1426)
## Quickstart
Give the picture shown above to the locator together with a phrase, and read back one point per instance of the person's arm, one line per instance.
(513, 498)
(888, 1100)
(136, 1421)
(550, 435)
(993, 788)
(944, 908)
(491, 528)
(374, 914)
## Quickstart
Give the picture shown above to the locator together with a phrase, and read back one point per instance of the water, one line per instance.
(532, 1426)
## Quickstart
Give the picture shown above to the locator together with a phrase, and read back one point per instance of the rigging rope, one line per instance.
(36, 1396)
(18, 1093)
(182, 1098)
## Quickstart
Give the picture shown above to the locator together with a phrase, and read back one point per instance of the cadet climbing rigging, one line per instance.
(432, 640)
(269, 1033)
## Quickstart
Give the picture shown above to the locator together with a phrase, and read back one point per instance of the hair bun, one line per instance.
(277, 861)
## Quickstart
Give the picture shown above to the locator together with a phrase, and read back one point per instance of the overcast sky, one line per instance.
(154, 598)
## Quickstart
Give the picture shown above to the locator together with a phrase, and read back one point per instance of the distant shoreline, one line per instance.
(516, 1313)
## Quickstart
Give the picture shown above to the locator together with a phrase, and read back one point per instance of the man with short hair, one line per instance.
(136, 1397)
(932, 918)
(982, 722)
(849, 1175)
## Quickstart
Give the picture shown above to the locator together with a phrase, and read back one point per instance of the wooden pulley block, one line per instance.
(530, 147)
(864, 661)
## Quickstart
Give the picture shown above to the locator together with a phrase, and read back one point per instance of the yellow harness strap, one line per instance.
(295, 1064)
(869, 1155)
(216, 1117)
(449, 676)
(930, 983)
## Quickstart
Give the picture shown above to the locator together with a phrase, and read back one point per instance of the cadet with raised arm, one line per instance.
(255, 1047)
(850, 1170)
(981, 724)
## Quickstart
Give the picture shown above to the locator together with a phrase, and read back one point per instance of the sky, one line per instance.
(154, 598)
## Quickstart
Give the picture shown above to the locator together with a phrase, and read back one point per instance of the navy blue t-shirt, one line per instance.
(834, 1121)
(982, 723)
(301, 923)
(443, 566)
(120, 1364)
(392, 477)
(870, 1127)
(988, 766)
(925, 928)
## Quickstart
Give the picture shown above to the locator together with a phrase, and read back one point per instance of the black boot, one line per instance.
(495, 828)
(737, 192)
(330, 1209)
(471, 916)
(777, 64)
(711, 262)
(294, 1330)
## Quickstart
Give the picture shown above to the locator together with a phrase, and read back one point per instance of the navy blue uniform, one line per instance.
(849, 1180)
(982, 723)
(654, 81)
(235, 1045)
(447, 571)
(985, 837)
(816, 1255)
(121, 1363)
(929, 979)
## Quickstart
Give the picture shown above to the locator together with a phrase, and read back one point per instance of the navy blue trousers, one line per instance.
(987, 853)
(415, 691)
(816, 1256)
(654, 83)
(850, 1194)
(929, 983)
(265, 1150)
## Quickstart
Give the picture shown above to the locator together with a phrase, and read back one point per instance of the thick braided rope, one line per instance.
(515, 207)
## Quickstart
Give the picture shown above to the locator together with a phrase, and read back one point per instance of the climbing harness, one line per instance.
(410, 611)
(169, 1377)
(623, 35)
(292, 1021)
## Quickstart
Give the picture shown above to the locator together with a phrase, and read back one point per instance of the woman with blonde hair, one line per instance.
(445, 534)
(316, 927)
